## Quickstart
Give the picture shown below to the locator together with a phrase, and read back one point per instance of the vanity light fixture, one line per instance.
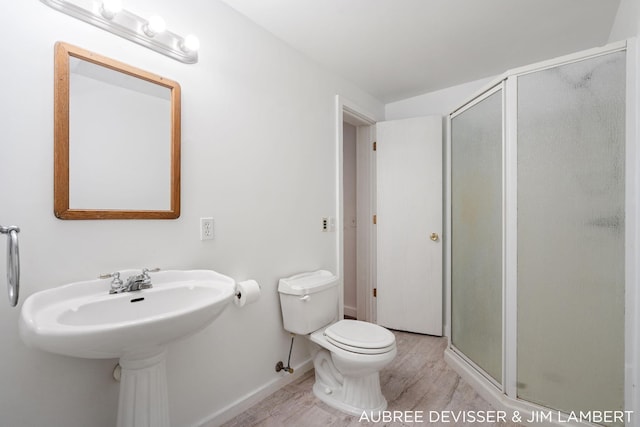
(152, 33)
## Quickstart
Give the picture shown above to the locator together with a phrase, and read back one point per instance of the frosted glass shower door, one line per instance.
(571, 245)
(476, 233)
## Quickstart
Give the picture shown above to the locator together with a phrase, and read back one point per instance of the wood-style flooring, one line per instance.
(418, 379)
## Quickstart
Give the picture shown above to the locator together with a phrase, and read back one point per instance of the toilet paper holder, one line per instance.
(246, 292)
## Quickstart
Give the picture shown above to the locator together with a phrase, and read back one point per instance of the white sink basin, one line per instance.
(82, 319)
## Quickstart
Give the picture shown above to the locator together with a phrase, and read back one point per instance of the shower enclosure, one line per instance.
(541, 185)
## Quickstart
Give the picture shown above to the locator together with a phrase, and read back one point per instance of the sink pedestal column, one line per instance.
(143, 400)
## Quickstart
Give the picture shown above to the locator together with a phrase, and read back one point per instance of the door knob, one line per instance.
(434, 237)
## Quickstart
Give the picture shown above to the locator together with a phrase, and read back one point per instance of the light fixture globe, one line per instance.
(155, 25)
(110, 8)
(190, 43)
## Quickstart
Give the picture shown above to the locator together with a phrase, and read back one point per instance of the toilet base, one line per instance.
(354, 396)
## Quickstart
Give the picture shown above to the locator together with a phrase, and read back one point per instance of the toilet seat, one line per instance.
(360, 337)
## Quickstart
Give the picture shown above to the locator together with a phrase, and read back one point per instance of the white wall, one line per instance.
(627, 21)
(350, 214)
(258, 154)
(440, 102)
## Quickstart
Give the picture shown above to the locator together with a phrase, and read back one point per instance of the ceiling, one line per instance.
(395, 49)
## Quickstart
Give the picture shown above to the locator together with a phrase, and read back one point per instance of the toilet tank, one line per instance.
(309, 301)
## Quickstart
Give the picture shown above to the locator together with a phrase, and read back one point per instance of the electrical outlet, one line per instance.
(206, 228)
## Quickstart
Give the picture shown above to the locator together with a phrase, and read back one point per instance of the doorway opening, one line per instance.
(356, 205)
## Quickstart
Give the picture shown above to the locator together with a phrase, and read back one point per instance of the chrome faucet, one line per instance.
(133, 283)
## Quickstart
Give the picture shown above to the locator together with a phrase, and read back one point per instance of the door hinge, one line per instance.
(375, 146)
(375, 219)
(375, 292)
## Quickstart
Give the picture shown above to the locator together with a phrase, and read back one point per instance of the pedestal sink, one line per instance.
(82, 319)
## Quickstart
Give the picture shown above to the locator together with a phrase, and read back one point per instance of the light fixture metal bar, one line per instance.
(129, 26)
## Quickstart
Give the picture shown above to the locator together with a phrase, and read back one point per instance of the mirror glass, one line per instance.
(117, 139)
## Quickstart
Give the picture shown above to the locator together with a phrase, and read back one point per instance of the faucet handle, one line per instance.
(116, 276)
(145, 271)
(116, 283)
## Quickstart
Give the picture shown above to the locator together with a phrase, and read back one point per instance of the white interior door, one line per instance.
(409, 224)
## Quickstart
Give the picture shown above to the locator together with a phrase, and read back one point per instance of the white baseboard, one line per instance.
(250, 399)
(350, 311)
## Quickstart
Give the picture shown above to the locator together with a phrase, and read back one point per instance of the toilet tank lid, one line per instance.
(307, 283)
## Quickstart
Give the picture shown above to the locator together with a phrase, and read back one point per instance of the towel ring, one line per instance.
(13, 263)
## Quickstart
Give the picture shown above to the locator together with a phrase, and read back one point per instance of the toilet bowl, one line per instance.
(354, 384)
(347, 354)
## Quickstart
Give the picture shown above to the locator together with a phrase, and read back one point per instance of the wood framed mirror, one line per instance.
(116, 139)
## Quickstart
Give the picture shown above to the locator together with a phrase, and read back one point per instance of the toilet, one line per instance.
(347, 354)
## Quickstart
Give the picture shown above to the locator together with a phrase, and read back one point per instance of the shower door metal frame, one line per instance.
(505, 395)
(497, 86)
(632, 237)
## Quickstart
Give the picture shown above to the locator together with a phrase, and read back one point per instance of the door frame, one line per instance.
(365, 136)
